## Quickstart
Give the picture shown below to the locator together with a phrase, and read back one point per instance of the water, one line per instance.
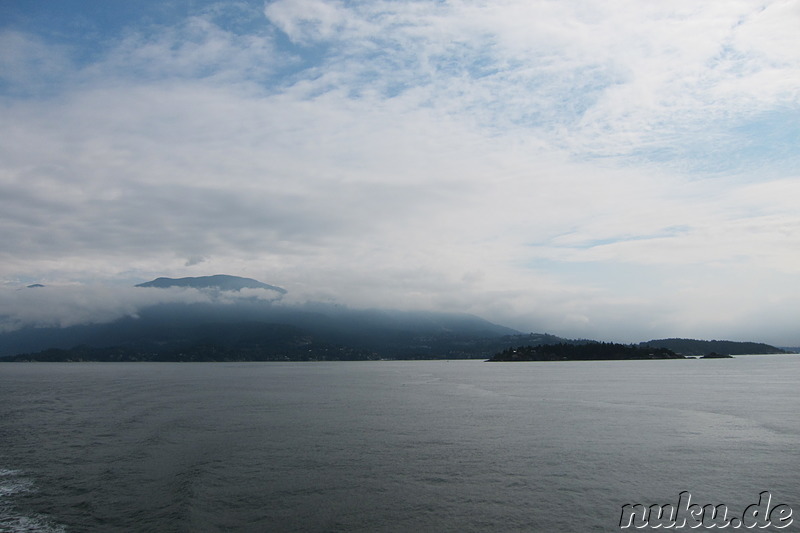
(389, 446)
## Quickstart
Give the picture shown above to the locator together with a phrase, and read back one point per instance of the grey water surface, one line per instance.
(390, 445)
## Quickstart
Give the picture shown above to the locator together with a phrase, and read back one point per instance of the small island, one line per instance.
(715, 355)
(593, 351)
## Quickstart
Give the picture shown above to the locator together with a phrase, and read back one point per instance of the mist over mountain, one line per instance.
(227, 323)
(230, 318)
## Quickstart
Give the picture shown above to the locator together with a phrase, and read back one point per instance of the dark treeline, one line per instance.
(583, 352)
(203, 352)
(700, 347)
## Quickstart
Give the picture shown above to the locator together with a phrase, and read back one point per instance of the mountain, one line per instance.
(257, 329)
(700, 347)
(220, 282)
(237, 327)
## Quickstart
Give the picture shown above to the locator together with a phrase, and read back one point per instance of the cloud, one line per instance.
(603, 79)
(64, 306)
(506, 158)
(72, 305)
(308, 20)
(197, 48)
(28, 64)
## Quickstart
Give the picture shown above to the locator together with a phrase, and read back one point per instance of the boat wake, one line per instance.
(12, 484)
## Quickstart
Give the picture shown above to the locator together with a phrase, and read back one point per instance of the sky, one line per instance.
(621, 170)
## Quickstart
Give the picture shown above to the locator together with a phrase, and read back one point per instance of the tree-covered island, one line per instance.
(593, 351)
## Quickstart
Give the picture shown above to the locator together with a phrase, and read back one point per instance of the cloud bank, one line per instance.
(75, 305)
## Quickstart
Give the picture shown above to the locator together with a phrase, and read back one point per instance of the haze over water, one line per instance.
(390, 446)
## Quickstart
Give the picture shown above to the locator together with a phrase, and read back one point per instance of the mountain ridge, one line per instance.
(248, 326)
(223, 282)
(252, 328)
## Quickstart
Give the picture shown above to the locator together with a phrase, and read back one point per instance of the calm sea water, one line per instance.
(390, 446)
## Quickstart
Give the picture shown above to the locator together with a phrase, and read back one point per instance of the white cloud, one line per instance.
(63, 306)
(28, 62)
(80, 304)
(769, 34)
(196, 49)
(308, 20)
